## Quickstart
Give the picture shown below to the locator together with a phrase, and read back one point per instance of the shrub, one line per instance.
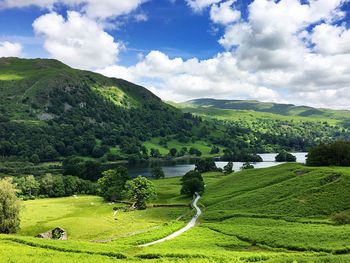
(341, 218)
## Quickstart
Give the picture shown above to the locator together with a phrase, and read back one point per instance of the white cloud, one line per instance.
(199, 5)
(8, 49)
(331, 40)
(224, 13)
(106, 8)
(141, 17)
(97, 9)
(270, 56)
(78, 41)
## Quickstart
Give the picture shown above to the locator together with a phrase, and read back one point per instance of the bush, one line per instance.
(205, 165)
(341, 218)
(247, 166)
(285, 156)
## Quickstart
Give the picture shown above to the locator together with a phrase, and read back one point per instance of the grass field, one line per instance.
(278, 214)
(202, 146)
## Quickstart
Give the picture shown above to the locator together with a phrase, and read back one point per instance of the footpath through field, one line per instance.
(182, 230)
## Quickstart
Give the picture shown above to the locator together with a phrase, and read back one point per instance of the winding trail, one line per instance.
(190, 224)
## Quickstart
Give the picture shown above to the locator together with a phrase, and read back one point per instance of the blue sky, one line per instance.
(290, 51)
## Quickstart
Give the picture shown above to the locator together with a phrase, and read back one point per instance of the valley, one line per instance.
(276, 214)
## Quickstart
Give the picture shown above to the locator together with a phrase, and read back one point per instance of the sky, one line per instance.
(286, 51)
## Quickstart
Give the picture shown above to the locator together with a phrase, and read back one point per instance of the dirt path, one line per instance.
(182, 230)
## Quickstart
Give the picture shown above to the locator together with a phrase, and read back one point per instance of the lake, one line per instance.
(172, 169)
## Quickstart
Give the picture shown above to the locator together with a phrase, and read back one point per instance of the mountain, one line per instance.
(49, 110)
(268, 107)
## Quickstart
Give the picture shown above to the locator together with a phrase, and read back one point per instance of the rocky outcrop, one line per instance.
(57, 233)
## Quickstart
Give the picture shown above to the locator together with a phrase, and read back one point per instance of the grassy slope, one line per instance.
(278, 214)
(268, 107)
(202, 146)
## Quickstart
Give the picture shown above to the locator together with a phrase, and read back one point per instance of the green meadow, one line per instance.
(278, 214)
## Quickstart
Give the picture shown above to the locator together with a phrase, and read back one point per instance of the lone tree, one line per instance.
(205, 165)
(285, 156)
(9, 208)
(228, 168)
(247, 166)
(112, 183)
(140, 190)
(192, 182)
(157, 172)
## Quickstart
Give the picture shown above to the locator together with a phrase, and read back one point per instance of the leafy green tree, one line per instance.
(47, 185)
(9, 208)
(285, 156)
(192, 182)
(214, 150)
(35, 159)
(205, 165)
(28, 185)
(228, 168)
(173, 152)
(336, 154)
(140, 190)
(247, 166)
(157, 172)
(194, 151)
(112, 183)
(155, 153)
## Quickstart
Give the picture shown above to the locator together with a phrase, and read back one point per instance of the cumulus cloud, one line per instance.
(224, 13)
(97, 9)
(199, 5)
(8, 49)
(331, 40)
(78, 41)
(186, 79)
(284, 51)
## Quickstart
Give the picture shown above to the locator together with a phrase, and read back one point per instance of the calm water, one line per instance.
(177, 169)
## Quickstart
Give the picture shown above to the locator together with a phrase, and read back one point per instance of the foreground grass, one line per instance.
(278, 214)
(90, 218)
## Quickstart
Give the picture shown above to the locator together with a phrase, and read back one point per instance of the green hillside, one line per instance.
(278, 214)
(269, 107)
(51, 110)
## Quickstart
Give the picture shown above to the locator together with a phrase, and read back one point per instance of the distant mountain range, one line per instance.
(268, 107)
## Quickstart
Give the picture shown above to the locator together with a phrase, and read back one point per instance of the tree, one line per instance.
(173, 152)
(228, 168)
(336, 154)
(112, 183)
(28, 185)
(205, 165)
(192, 182)
(157, 172)
(35, 159)
(47, 185)
(285, 156)
(155, 153)
(194, 151)
(9, 208)
(247, 166)
(140, 190)
(214, 150)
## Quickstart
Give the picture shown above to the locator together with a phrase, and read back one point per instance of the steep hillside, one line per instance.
(50, 110)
